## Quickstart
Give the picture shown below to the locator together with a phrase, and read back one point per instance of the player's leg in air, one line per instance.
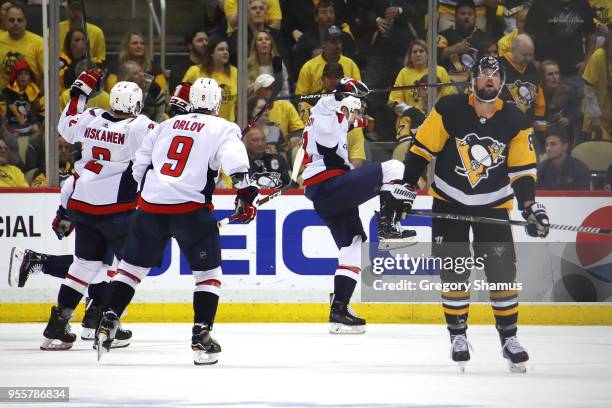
(337, 201)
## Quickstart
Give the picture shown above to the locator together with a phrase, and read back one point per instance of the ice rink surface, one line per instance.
(300, 365)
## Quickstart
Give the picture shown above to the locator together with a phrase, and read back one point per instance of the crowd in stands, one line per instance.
(556, 54)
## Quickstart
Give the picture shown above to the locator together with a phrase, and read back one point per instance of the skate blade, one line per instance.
(520, 368)
(201, 357)
(339, 328)
(115, 344)
(100, 345)
(391, 244)
(13, 276)
(55, 345)
(88, 334)
(462, 365)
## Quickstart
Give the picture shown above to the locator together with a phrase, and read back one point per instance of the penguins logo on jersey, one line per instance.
(478, 156)
(523, 94)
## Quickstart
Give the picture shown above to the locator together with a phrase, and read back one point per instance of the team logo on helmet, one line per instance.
(478, 156)
(523, 94)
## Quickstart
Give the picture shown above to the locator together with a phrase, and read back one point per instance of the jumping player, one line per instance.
(103, 195)
(176, 168)
(337, 189)
(484, 158)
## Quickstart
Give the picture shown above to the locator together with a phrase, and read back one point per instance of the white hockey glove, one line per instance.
(538, 223)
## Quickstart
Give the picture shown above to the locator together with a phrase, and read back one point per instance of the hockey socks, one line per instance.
(205, 308)
(57, 265)
(505, 309)
(344, 288)
(119, 296)
(456, 304)
(68, 297)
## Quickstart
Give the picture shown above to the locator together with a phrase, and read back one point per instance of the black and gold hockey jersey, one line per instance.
(478, 159)
(523, 89)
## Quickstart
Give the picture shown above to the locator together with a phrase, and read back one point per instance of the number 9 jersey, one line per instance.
(103, 182)
(179, 162)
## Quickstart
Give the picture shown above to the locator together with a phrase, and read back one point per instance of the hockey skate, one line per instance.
(206, 349)
(460, 350)
(515, 354)
(90, 323)
(57, 333)
(391, 235)
(343, 320)
(22, 264)
(106, 332)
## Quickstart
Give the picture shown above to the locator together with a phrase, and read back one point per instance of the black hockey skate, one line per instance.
(343, 320)
(90, 323)
(515, 354)
(22, 264)
(206, 349)
(106, 332)
(460, 350)
(391, 235)
(57, 333)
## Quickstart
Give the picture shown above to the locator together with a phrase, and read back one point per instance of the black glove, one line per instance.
(86, 83)
(62, 224)
(538, 223)
(245, 210)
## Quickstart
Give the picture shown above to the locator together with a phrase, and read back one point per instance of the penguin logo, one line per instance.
(523, 94)
(478, 155)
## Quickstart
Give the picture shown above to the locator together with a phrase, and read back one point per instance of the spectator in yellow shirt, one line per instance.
(95, 35)
(10, 176)
(274, 15)
(415, 67)
(504, 45)
(17, 43)
(72, 57)
(597, 105)
(311, 74)
(263, 50)
(217, 67)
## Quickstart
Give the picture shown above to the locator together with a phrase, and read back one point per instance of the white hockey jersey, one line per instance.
(325, 142)
(179, 161)
(103, 181)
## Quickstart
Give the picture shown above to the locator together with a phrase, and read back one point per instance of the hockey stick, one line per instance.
(86, 37)
(381, 90)
(487, 220)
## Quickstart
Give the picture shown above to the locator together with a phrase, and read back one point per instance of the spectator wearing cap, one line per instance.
(95, 35)
(21, 102)
(17, 43)
(196, 42)
(458, 46)
(504, 44)
(10, 176)
(331, 76)
(282, 113)
(310, 77)
(309, 44)
(260, 159)
(275, 141)
(561, 171)
(263, 50)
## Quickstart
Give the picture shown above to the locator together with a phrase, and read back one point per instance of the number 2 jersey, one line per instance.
(325, 142)
(103, 182)
(179, 161)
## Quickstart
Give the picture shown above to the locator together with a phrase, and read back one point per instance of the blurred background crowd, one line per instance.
(556, 54)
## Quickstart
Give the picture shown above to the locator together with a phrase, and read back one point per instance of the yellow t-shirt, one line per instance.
(95, 36)
(229, 85)
(284, 115)
(409, 76)
(310, 79)
(29, 47)
(602, 10)
(273, 12)
(11, 176)
(597, 72)
(504, 45)
(101, 100)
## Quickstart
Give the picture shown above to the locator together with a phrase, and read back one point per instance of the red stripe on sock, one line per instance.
(349, 268)
(77, 280)
(129, 275)
(211, 282)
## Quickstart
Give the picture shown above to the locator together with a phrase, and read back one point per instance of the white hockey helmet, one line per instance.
(351, 103)
(126, 97)
(206, 94)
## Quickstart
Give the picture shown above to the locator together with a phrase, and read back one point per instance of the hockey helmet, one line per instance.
(351, 87)
(126, 97)
(493, 65)
(206, 94)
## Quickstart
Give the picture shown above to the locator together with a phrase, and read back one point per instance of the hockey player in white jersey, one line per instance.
(176, 168)
(337, 190)
(104, 192)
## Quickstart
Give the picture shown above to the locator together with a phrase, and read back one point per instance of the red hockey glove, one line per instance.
(62, 224)
(179, 103)
(245, 210)
(86, 82)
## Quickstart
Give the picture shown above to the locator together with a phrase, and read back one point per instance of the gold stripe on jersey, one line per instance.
(431, 136)
(521, 156)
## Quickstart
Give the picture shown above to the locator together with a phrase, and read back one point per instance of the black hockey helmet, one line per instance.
(487, 63)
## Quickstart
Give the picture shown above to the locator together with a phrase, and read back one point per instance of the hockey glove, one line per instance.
(245, 210)
(538, 223)
(86, 82)
(179, 103)
(398, 197)
(62, 224)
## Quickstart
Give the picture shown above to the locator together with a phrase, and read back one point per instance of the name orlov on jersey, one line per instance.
(478, 156)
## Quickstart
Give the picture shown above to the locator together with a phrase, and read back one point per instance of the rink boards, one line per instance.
(279, 267)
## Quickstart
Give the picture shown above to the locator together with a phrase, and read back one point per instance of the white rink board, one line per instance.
(295, 253)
